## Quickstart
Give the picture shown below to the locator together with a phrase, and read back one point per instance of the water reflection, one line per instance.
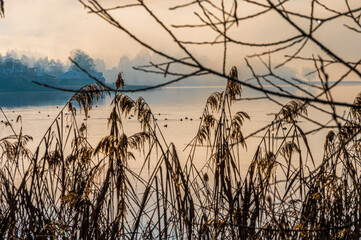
(28, 99)
(164, 96)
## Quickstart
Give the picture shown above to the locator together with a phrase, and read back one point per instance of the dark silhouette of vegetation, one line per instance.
(70, 189)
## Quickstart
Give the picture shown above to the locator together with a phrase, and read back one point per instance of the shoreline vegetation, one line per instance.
(70, 189)
(19, 75)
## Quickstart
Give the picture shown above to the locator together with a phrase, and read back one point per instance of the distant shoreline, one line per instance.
(135, 87)
(73, 87)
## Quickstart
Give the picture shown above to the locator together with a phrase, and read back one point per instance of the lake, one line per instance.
(169, 105)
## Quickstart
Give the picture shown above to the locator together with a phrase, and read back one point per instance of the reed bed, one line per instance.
(70, 189)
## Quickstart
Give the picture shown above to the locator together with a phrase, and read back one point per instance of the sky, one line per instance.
(55, 27)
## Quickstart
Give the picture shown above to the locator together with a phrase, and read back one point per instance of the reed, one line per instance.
(70, 189)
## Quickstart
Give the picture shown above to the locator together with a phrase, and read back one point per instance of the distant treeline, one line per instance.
(19, 70)
(18, 73)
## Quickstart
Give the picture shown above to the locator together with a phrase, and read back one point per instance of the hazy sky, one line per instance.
(55, 27)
